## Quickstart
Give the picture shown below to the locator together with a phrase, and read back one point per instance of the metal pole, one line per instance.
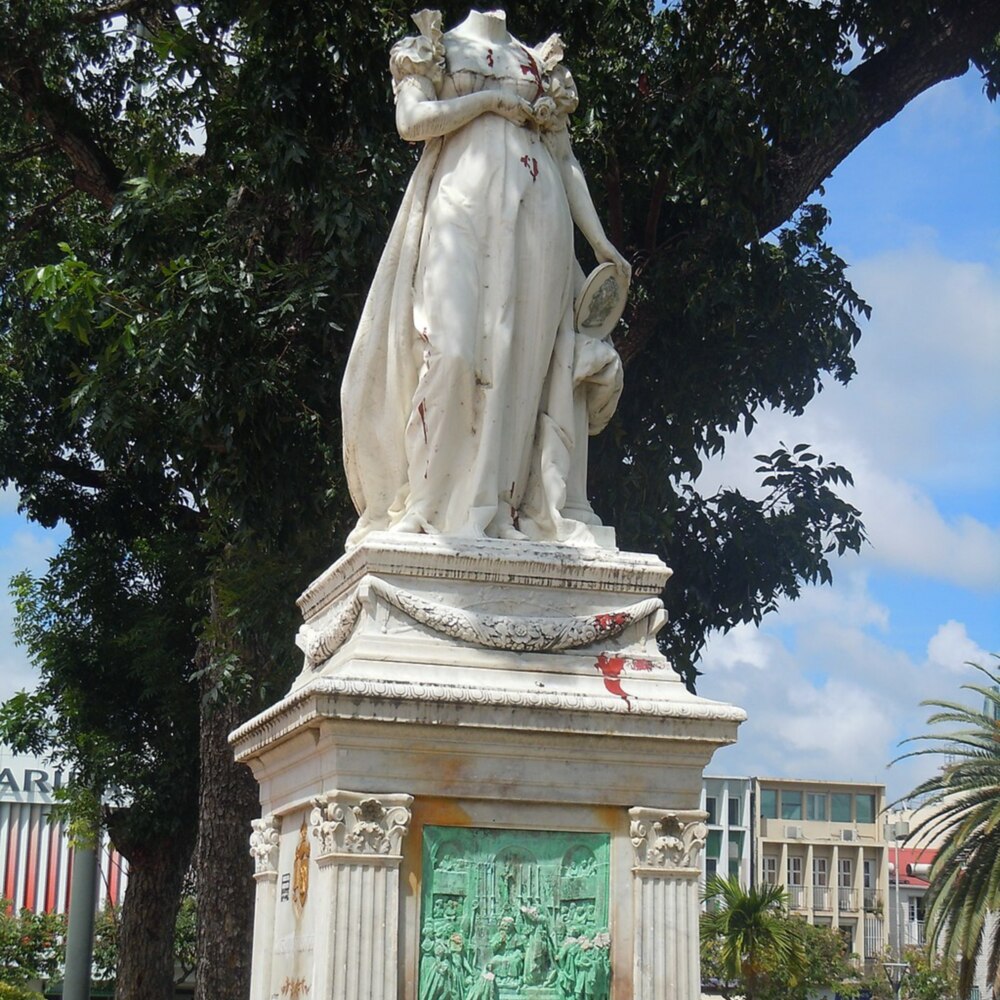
(899, 915)
(80, 929)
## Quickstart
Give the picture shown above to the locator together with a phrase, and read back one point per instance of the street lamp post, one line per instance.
(896, 972)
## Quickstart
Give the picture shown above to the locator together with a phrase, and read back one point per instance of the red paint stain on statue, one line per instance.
(607, 622)
(532, 164)
(611, 668)
(530, 68)
(422, 411)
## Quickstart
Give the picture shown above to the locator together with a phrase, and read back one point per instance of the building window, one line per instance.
(769, 803)
(845, 873)
(711, 867)
(712, 809)
(821, 873)
(816, 807)
(769, 869)
(713, 845)
(917, 914)
(867, 874)
(840, 807)
(791, 805)
(794, 870)
(735, 852)
(865, 808)
(734, 812)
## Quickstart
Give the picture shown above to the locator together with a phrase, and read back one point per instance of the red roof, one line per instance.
(911, 856)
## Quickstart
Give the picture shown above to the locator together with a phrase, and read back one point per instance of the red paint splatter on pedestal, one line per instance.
(607, 622)
(611, 668)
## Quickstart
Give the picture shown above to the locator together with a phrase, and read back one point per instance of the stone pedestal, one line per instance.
(513, 688)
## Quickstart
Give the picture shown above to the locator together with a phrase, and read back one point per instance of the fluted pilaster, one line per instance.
(665, 901)
(264, 842)
(359, 840)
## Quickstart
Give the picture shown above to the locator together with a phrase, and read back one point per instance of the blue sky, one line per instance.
(833, 682)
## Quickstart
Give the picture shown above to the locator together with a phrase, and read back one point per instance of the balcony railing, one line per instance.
(915, 932)
(821, 897)
(847, 899)
(873, 901)
(796, 896)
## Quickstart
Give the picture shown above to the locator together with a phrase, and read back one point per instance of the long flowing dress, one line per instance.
(462, 401)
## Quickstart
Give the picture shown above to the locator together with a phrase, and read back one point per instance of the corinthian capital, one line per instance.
(667, 839)
(355, 823)
(264, 844)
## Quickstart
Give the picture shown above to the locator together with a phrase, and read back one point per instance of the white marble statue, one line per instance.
(469, 394)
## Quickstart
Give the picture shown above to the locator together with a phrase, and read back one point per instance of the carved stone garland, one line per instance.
(516, 633)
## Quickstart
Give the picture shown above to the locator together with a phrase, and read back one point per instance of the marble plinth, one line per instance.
(483, 684)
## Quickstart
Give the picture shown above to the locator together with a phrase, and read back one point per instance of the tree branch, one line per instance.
(99, 479)
(34, 218)
(616, 211)
(94, 172)
(106, 13)
(884, 84)
(27, 152)
(74, 472)
(655, 206)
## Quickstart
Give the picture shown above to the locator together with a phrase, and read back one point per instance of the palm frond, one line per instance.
(963, 797)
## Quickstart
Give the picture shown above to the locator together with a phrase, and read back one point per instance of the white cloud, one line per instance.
(917, 426)
(951, 648)
(826, 698)
(909, 533)
(925, 399)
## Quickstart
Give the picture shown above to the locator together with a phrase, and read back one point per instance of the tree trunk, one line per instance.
(149, 913)
(227, 803)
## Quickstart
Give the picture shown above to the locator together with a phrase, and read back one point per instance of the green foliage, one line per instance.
(748, 939)
(963, 801)
(166, 359)
(31, 948)
(105, 954)
(753, 948)
(929, 978)
(11, 992)
(106, 932)
(112, 632)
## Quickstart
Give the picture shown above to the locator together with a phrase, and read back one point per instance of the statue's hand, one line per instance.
(511, 107)
(606, 253)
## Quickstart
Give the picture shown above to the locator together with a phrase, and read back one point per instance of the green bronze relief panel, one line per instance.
(514, 915)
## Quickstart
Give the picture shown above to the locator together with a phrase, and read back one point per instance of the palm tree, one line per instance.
(964, 801)
(753, 931)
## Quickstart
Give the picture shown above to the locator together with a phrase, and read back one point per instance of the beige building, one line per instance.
(824, 842)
